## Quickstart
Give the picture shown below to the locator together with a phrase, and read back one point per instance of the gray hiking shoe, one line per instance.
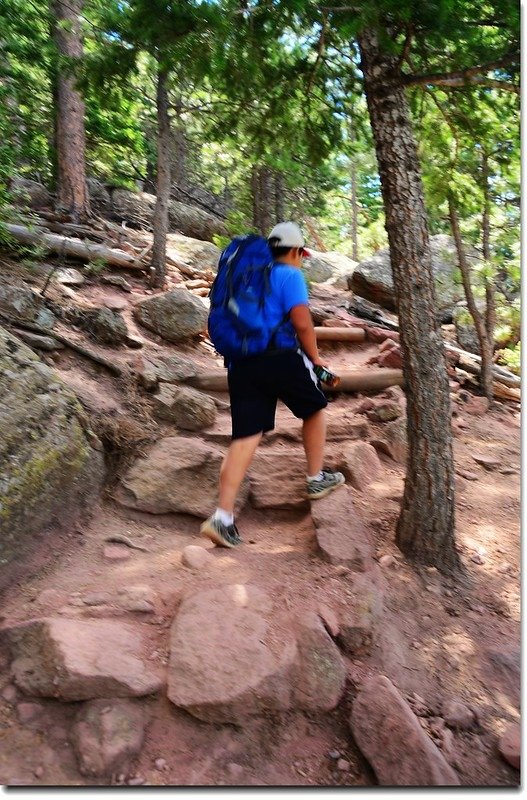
(217, 532)
(326, 484)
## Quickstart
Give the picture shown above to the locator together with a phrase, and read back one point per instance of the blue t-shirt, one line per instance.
(288, 289)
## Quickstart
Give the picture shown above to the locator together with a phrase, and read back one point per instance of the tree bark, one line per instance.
(160, 220)
(354, 212)
(490, 285)
(72, 192)
(279, 197)
(426, 525)
(485, 344)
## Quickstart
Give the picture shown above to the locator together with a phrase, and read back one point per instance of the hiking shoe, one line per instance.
(326, 484)
(217, 532)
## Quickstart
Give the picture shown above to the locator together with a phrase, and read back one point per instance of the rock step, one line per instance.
(341, 535)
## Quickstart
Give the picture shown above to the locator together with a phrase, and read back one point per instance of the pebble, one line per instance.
(505, 568)
(477, 558)
(160, 764)
(28, 711)
(10, 694)
(458, 715)
(96, 599)
(236, 770)
(387, 561)
(137, 781)
(116, 552)
(343, 765)
(334, 754)
(39, 772)
(340, 569)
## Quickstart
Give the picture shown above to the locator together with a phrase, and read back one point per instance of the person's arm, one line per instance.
(302, 322)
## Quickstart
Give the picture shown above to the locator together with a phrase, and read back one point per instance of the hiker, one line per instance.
(283, 371)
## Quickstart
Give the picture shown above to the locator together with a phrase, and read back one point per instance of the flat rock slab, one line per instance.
(179, 474)
(278, 480)
(234, 655)
(510, 745)
(226, 661)
(360, 464)
(360, 617)
(81, 660)
(107, 734)
(341, 535)
(391, 738)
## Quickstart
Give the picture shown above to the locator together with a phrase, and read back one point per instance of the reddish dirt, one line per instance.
(439, 639)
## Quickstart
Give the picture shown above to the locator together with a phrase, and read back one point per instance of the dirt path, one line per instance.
(438, 640)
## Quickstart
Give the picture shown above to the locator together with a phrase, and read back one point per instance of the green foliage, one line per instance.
(510, 357)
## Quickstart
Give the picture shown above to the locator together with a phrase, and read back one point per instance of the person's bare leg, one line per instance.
(314, 438)
(235, 465)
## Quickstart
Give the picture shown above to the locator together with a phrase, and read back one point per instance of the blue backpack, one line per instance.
(237, 320)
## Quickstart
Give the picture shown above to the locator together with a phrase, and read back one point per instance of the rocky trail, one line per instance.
(136, 653)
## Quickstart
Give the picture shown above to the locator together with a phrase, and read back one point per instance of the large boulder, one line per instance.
(138, 208)
(332, 267)
(202, 256)
(175, 316)
(187, 408)
(100, 197)
(466, 335)
(391, 738)
(26, 192)
(73, 659)
(373, 280)
(179, 475)
(234, 655)
(49, 474)
(25, 304)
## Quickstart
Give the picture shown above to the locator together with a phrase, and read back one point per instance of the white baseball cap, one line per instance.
(288, 234)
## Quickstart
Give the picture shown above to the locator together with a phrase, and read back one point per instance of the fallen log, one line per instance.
(503, 392)
(340, 334)
(472, 363)
(75, 248)
(363, 380)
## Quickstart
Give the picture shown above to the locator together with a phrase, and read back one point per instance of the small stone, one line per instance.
(510, 745)
(334, 754)
(340, 569)
(508, 471)
(234, 770)
(504, 568)
(195, 557)
(343, 765)
(9, 693)
(469, 476)
(28, 712)
(141, 606)
(139, 780)
(387, 561)
(96, 598)
(160, 764)
(458, 715)
(39, 772)
(477, 558)
(116, 552)
(487, 462)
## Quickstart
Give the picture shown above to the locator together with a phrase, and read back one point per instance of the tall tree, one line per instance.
(70, 133)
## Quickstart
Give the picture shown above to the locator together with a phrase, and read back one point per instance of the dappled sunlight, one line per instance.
(238, 593)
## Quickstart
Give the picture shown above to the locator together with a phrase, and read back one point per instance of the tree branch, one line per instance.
(464, 77)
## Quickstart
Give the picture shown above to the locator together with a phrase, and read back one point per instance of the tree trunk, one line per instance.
(279, 197)
(72, 192)
(354, 212)
(267, 205)
(490, 285)
(426, 525)
(160, 221)
(179, 149)
(485, 344)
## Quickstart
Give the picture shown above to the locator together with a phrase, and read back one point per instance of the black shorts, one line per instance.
(256, 383)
